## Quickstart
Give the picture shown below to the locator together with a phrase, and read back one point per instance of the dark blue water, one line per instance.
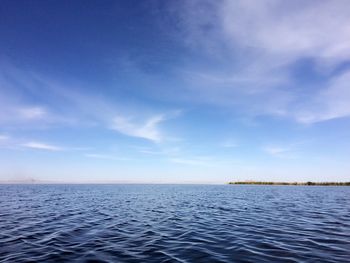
(174, 223)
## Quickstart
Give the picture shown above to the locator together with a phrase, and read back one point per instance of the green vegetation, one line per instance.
(294, 183)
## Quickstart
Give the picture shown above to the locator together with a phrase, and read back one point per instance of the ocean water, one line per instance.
(174, 223)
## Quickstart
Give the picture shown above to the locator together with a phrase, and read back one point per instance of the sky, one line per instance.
(174, 91)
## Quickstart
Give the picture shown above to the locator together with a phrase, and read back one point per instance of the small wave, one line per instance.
(160, 223)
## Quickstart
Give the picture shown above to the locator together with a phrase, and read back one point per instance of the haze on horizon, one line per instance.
(174, 91)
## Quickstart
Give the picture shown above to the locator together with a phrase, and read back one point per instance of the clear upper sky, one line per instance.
(174, 91)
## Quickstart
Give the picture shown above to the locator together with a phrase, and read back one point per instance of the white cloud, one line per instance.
(32, 113)
(189, 161)
(296, 29)
(330, 103)
(275, 150)
(283, 151)
(17, 144)
(70, 104)
(105, 156)
(205, 161)
(229, 144)
(151, 152)
(259, 42)
(42, 146)
(4, 138)
(147, 129)
(18, 113)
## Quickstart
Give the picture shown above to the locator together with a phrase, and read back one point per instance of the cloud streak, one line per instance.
(229, 144)
(42, 146)
(260, 45)
(330, 103)
(289, 151)
(190, 161)
(67, 104)
(105, 157)
(147, 129)
(4, 138)
(32, 113)
(290, 30)
(275, 151)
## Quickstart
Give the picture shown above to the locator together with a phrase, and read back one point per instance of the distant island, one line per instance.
(294, 183)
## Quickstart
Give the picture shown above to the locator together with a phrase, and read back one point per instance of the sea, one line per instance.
(174, 223)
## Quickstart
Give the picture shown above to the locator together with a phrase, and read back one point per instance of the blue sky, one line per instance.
(174, 91)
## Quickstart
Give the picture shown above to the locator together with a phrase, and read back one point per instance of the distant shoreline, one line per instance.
(293, 183)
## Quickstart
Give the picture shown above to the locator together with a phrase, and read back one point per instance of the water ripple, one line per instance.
(173, 223)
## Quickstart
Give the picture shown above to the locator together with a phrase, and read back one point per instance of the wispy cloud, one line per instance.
(67, 105)
(214, 161)
(4, 138)
(147, 129)
(32, 113)
(190, 161)
(167, 151)
(17, 113)
(151, 152)
(229, 144)
(289, 151)
(105, 157)
(330, 103)
(42, 146)
(16, 143)
(275, 150)
(290, 30)
(260, 44)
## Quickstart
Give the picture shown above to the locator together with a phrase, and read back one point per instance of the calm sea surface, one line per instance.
(174, 223)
